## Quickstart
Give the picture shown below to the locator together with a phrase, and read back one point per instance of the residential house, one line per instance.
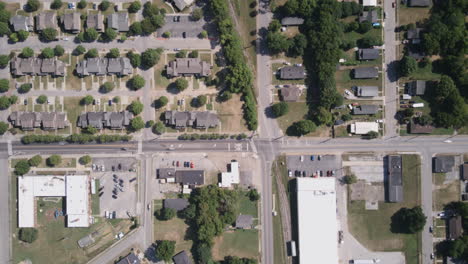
(363, 128)
(290, 93)
(44, 120)
(416, 87)
(95, 21)
(414, 35)
(46, 20)
(292, 73)
(182, 258)
(232, 176)
(102, 66)
(366, 73)
(292, 21)
(395, 182)
(465, 172)
(190, 177)
(368, 54)
(100, 120)
(188, 67)
(369, 2)
(365, 109)
(71, 22)
(244, 222)
(182, 4)
(37, 66)
(19, 22)
(419, 3)
(118, 21)
(195, 119)
(370, 16)
(129, 259)
(178, 204)
(415, 128)
(455, 227)
(443, 164)
(367, 91)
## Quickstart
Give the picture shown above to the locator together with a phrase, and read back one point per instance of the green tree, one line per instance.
(350, 179)
(41, 99)
(193, 54)
(28, 234)
(407, 66)
(22, 35)
(323, 116)
(79, 50)
(165, 250)
(181, 84)
(104, 5)
(82, 4)
(135, 59)
(90, 130)
(225, 96)
(134, 7)
(4, 29)
(22, 167)
(166, 34)
(181, 54)
(13, 37)
(4, 60)
(5, 15)
(136, 83)
(27, 52)
(110, 34)
(137, 123)
(203, 34)
(4, 102)
(365, 27)
(4, 85)
(372, 135)
(161, 102)
(166, 213)
(200, 100)
(150, 57)
(116, 99)
(87, 100)
(346, 117)
(135, 29)
(59, 51)
(3, 127)
(107, 87)
(90, 35)
(49, 34)
(197, 14)
(147, 26)
(408, 220)
(302, 127)
(84, 160)
(274, 25)
(277, 42)
(136, 107)
(253, 195)
(32, 5)
(113, 53)
(297, 45)
(280, 109)
(54, 160)
(56, 4)
(149, 123)
(158, 128)
(35, 161)
(13, 99)
(368, 41)
(424, 120)
(47, 53)
(92, 53)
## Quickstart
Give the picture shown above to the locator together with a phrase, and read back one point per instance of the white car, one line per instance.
(176, 49)
(379, 121)
(65, 39)
(286, 63)
(289, 173)
(298, 64)
(302, 158)
(441, 214)
(347, 92)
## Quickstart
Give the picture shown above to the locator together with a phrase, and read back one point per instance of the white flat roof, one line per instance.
(362, 128)
(230, 177)
(73, 187)
(317, 223)
(369, 2)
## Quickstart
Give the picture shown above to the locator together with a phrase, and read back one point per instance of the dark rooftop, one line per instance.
(176, 204)
(443, 164)
(292, 73)
(366, 73)
(182, 258)
(370, 16)
(368, 54)
(455, 227)
(365, 109)
(190, 177)
(244, 221)
(419, 3)
(465, 171)
(292, 21)
(419, 129)
(129, 259)
(395, 181)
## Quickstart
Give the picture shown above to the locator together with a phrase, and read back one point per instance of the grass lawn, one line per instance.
(163, 4)
(278, 240)
(408, 15)
(378, 237)
(297, 112)
(241, 243)
(344, 81)
(444, 193)
(73, 108)
(247, 24)
(355, 36)
(95, 205)
(425, 73)
(246, 206)
(230, 115)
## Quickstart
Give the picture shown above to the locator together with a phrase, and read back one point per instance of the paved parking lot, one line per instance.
(181, 26)
(126, 164)
(123, 200)
(310, 167)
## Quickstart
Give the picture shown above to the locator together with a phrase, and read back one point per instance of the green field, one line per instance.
(297, 111)
(378, 237)
(241, 243)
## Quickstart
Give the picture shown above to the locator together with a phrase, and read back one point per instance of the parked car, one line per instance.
(289, 173)
(303, 173)
(319, 157)
(177, 164)
(312, 158)
(301, 158)
(393, 4)
(192, 165)
(430, 229)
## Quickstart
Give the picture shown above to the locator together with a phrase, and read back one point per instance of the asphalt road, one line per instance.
(5, 237)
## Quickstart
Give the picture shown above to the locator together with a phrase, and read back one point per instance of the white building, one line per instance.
(230, 177)
(316, 220)
(75, 189)
(362, 128)
(369, 2)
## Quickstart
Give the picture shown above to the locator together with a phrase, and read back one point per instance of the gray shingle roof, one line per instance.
(370, 16)
(417, 87)
(414, 33)
(455, 227)
(99, 120)
(395, 179)
(71, 22)
(188, 67)
(290, 93)
(95, 21)
(181, 4)
(129, 259)
(368, 54)
(367, 91)
(365, 109)
(420, 3)
(118, 21)
(190, 177)
(176, 204)
(366, 73)
(182, 258)
(292, 21)
(19, 22)
(443, 164)
(102, 66)
(37, 66)
(44, 120)
(46, 20)
(419, 129)
(292, 73)
(188, 119)
(244, 221)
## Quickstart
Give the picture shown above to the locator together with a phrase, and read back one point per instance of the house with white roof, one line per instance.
(231, 176)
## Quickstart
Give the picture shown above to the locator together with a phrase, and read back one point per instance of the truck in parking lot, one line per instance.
(365, 261)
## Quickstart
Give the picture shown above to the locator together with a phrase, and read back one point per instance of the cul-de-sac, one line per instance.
(234, 131)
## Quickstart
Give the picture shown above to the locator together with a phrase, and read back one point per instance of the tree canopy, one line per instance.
(84, 160)
(181, 84)
(301, 128)
(28, 235)
(49, 34)
(150, 57)
(3, 127)
(136, 82)
(22, 167)
(137, 123)
(165, 250)
(4, 85)
(35, 160)
(408, 220)
(136, 107)
(280, 109)
(54, 160)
